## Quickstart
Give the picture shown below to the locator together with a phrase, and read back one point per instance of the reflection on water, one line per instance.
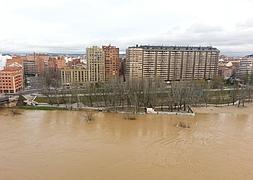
(62, 145)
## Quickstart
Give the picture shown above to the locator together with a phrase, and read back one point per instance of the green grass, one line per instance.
(45, 108)
(41, 100)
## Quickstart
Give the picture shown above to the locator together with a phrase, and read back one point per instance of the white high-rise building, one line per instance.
(3, 61)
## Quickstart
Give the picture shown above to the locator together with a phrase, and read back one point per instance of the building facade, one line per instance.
(74, 62)
(56, 63)
(34, 64)
(96, 64)
(14, 60)
(11, 80)
(37, 63)
(134, 63)
(245, 67)
(228, 68)
(170, 63)
(112, 62)
(30, 68)
(74, 76)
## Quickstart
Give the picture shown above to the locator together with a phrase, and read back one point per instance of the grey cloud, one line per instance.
(246, 24)
(229, 42)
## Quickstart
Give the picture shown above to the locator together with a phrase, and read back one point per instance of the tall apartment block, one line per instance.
(11, 80)
(112, 62)
(170, 63)
(96, 64)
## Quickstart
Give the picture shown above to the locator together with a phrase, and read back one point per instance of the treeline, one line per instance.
(138, 94)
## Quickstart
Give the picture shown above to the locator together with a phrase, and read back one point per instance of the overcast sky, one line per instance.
(72, 25)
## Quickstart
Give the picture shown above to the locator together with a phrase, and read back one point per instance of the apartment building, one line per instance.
(96, 64)
(15, 60)
(134, 63)
(245, 67)
(170, 63)
(74, 76)
(11, 80)
(112, 62)
(74, 62)
(34, 64)
(56, 63)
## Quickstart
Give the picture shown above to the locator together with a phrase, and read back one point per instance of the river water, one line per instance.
(52, 145)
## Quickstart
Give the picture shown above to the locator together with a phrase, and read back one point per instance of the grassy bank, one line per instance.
(46, 108)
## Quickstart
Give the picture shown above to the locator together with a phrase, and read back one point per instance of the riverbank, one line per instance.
(213, 109)
(45, 108)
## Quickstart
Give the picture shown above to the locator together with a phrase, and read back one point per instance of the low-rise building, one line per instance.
(227, 69)
(74, 76)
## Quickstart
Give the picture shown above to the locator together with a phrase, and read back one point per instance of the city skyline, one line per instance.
(71, 26)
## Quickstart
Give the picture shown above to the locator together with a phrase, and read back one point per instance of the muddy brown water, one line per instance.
(52, 145)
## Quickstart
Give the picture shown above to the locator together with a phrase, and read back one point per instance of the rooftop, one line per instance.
(11, 69)
(187, 48)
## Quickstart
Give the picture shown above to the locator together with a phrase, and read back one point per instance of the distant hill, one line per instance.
(250, 56)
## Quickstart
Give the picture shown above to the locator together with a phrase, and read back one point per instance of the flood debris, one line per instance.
(15, 112)
(181, 124)
(89, 116)
(130, 116)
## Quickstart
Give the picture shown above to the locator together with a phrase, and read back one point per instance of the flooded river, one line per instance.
(52, 145)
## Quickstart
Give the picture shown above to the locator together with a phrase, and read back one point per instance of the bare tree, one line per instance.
(89, 116)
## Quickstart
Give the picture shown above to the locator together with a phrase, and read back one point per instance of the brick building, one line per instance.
(11, 80)
(36, 64)
(56, 63)
(16, 59)
(74, 62)
(112, 62)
